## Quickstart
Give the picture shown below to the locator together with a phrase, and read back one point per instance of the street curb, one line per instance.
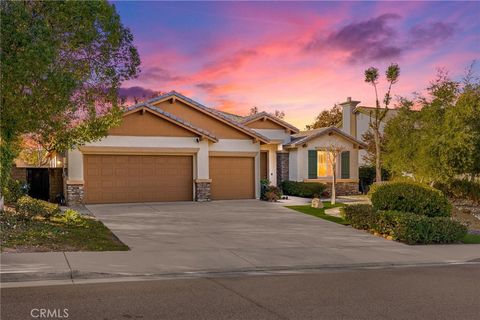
(11, 277)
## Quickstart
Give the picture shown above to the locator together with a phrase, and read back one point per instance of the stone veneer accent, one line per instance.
(202, 191)
(343, 188)
(282, 167)
(75, 194)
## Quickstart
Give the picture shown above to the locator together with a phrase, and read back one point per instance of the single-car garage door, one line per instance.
(232, 178)
(137, 178)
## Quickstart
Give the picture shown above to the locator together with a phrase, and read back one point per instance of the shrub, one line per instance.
(14, 190)
(303, 189)
(272, 193)
(412, 229)
(30, 207)
(360, 216)
(69, 216)
(405, 226)
(410, 197)
(461, 189)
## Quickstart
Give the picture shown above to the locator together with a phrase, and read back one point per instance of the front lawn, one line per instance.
(320, 212)
(55, 234)
(471, 239)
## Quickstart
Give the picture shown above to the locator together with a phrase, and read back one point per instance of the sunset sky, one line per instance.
(299, 57)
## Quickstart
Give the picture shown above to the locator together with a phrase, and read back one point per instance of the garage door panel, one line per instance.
(131, 178)
(232, 178)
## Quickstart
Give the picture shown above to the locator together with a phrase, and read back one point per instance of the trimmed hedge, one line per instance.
(31, 207)
(461, 189)
(403, 226)
(359, 215)
(410, 197)
(303, 189)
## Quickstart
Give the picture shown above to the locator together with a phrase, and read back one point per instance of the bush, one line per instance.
(14, 190)
(30, 207)
(360, 216)
(410, 197)
(412, 229)
(269, 192)
(303, 189)
(69, 216)
(405, 226)
(461, 189)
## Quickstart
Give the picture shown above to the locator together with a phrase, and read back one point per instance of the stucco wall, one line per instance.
(299, 158)
(272, 162)
(275, 134)
(292, 165)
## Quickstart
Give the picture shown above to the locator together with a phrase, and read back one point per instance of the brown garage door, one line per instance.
(232, 178)
(136, 178)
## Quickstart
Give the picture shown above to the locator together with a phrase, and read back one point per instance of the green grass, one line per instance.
(471, 239)
(320, 213)
(55, 234)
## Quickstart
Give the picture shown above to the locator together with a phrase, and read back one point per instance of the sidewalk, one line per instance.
(100, 265)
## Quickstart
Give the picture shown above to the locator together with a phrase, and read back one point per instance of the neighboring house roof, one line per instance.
(263, 114)
(367, 110)
(174, 119)
(212, 112)
(305, 136)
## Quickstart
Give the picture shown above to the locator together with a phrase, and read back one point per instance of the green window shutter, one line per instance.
(345, 157)
(312, 164)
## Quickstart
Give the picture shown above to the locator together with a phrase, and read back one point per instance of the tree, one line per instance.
(442, 140)
(279, 114)
(379, 114)
(253, 110)
(62, 65)
(333, 152)
(326, 118)
(370, 156)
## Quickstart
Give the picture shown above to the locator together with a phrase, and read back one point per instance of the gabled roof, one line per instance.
(212, 112)
(172, 118)
(263, 114)
(367, 110)
(305, 136)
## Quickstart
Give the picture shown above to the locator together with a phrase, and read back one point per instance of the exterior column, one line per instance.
(282, 167)
(202, 190)
(75, 193)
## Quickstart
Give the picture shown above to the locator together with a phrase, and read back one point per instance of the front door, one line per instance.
(264, 165)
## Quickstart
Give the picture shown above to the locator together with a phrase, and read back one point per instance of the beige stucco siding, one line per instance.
(272, 161)
(275, 134)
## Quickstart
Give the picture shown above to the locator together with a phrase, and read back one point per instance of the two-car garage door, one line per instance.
(137, 178)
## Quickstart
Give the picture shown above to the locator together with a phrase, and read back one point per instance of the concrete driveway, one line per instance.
(229, 236)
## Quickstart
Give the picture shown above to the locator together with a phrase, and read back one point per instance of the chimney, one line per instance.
(349, 125)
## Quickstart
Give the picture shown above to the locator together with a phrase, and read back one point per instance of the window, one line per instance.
(324, 167)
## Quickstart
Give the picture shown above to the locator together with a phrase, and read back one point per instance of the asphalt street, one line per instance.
(447, 292)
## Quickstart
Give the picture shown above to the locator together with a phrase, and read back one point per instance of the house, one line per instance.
(172, 148)
(356, 122)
